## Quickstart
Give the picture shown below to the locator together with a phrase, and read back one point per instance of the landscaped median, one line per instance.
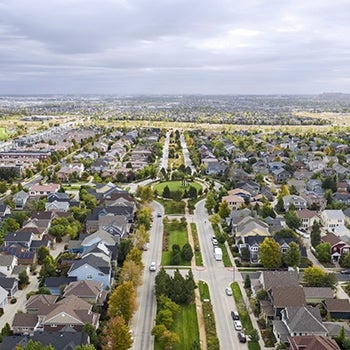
(244, 315)
(209, 317)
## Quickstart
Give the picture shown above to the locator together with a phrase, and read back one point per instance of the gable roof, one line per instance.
(332, 239)
(271, 279)
(312, 342)
(84, 289)
(337, 305)
(306, 319)
(94, 261)
(287, 296)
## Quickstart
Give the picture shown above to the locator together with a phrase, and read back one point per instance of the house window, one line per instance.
(54, 325)
(89, 277)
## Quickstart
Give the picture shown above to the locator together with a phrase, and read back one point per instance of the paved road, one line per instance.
(187, 159)
(218, 278)
(164, 159)
(143, 319)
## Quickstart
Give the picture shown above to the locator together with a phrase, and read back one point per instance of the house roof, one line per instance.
(41, 302)
(54, 282)
(279, 278)
(331, 238)
(288, 296)
(18, 237)
(333, 214)
(318, 292)
(7, 282)
(312, 342)
(305, 319)
(25, 320)
(337, 305)
(84, 289)
(59, 340)
(94, 261)
(6, 260)
(306, 213)
(100, 235)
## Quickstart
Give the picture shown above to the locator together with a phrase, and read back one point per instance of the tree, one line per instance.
(48, 269)
(162, 283)
(187, 252)
(314, 276)
(344, 260)
(89, 329)
(210, 202)
(284, 191)
(292, 219)
(35, 345)
(85, 347)
(292, 256)
(140, 237)
(42, 253)
(23, 278)
(215, 219)
(116, 335)
(122, 301)
(247, 281)
(270, 254)
(164, 336)
(315, 234)
(323, 251)
(131, 272)
(224, 210)
(254, 336)
(124, 249)
(144, 217)
(166, 192)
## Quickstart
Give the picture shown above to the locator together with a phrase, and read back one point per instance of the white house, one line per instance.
(333, 220)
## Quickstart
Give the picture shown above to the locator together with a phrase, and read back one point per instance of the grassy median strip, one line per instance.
(197, 250)
(209, 317)
(243, 314)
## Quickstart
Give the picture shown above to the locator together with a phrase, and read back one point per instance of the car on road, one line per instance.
(238, 325)
(159, 215)
(214, 241)
(242, 337)
(234, 315)
(228, 291)
(345, 272)
(153, 266)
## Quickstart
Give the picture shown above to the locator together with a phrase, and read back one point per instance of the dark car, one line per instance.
(345, 272)
(234, 315)
(242, 338)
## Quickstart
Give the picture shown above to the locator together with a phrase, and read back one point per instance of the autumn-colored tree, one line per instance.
(131, 272)
(135, 255)
(224, 210)
(140, 237)
(123, 301)
(144, 217)
(270, 254)
(314, 276)
(116, 335)
(284, 191)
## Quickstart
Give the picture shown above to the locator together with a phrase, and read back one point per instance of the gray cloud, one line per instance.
(174, 46)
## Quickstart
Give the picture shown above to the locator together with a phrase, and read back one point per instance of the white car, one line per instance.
(153, 266)
(238, 325)
(228, 291)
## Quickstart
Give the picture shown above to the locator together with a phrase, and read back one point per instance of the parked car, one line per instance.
(238, 325)
(345, 272)
(234, 315)
(159, 215)
(242, 338)
(214, 241)
(228, 291)
(153, 266)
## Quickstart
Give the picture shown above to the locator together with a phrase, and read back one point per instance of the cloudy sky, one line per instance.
(174, 46)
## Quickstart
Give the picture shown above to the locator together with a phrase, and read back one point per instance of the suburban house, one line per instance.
(20, 199)
(92, 268)
(38, 190)
(10, 284)
(338, 247)
(3, 297)
(7, 264)
(56, 284)
(316, 295)
(249, 226)
(234, 202)
(97, 237)
(26, 324)
(90, 291)
(18, 239)
(281, 175)
(333, 220)
(293, 200)
(213, 166)
(307, 217)
(298, 321)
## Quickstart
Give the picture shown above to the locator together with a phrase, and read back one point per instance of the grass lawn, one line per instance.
(171, 207)
(3, 134)
(225, 257)
(175, 186)
(175, 233)
(186, 327)
(203, 290)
